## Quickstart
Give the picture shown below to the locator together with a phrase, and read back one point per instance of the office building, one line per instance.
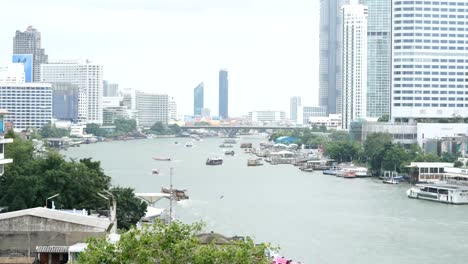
(172, 109)
(267, 116)
(312, 111)
(294, 105)
(65, 98)
(330, 55)
(110, 89)
(29, 104)
(223, 95)
(198, 98)
(430, 63)
(29, 42)
(354, 90)
(379, 49)
(151, 108)
(88, 77)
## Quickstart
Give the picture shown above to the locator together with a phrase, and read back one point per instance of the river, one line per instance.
(312, 217)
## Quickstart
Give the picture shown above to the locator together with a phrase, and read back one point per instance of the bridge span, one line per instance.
(231, 131)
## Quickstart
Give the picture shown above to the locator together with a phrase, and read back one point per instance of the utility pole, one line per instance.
(170, 198)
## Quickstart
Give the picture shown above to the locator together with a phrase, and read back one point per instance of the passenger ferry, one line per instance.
(214, 161)
(440, 192)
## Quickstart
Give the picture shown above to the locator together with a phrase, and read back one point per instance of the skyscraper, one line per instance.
(430, 63)
(354, 93)
(294, 105)
(223, 94)
(198, 97)
(330, 55)
(29, 42)
(110, 89)
(379, 49)
(88, 77)
(65, 98)
(151, 108)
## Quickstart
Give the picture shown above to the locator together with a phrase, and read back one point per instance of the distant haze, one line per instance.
(269, 47)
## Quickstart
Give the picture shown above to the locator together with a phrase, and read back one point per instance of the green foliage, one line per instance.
(96, 130)
(338, 135)
(375, 146)
(51, 131)
(305, 136)
(449, 157)
(202, 123)
(29, 180)
(384, 118)
(161, 129)
(176, 243)
(343, 151)
(125, 125)
(130, 209)
(458, 164)
(395, 158)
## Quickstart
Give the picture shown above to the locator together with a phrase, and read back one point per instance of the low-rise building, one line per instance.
(403, 133)
(332, 121)
(429, 171)
(310, 112)
(267, 116)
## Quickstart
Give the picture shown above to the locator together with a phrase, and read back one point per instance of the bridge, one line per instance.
(231, 131)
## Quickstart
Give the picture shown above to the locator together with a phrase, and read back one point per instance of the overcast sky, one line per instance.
(269, 47)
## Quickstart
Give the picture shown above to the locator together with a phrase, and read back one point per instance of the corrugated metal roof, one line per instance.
(52, 249)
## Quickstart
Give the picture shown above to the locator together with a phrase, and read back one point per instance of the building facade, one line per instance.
(430, 63)
(29, 42)
(151, 108)
(3, 141)
(313, 111)
(379, 49)
(294, 105)
(330, 55)
(29, 104)
(12, 73)
(354, 87)
(110, 89)
(223, 94)
(172, 109)
(88, 77)
(267, 116)
(198, 99)
(65, 101)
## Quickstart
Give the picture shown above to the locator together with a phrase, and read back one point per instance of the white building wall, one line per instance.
(12, 73)
(151, 108)
(88, 77)
(430, 62)
(354, 85)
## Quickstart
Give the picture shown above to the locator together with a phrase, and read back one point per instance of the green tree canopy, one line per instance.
(96, 130)
(176, 243)
(125, 125)
(375, 146)
(130, 209)
(51, 131)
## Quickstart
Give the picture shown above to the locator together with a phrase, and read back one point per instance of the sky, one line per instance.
(269, 47)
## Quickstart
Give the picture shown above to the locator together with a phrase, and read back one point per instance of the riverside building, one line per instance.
(354, 88)
(88, 77)
(151, 108)
(430, 62)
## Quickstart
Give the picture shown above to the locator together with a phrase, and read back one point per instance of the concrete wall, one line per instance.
(23, 234)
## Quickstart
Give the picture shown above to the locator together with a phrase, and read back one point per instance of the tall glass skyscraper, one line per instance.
(198, 95)
(29, 42)
(379, 49)
(430, 59)
(330, 54)
(223, 94)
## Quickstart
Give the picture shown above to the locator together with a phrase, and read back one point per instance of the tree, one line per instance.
(375, 146)
(342, 151)
(51, 131)
(458, 164)
(175, 129)
(125, 125)
(130, 209)
(96, 130)
(176, 243)
(339, 135)
(158, 128)
(384, 118)
(395, 158)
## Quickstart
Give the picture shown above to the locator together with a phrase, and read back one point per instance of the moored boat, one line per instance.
(349, 174)
(229, 153)
(440, 192)
(254, 162)
(189, 144)
(230, 141)
(155, 171)
(162, 158)
(330, 172)
(178, 194)
(214, 161)
(226, 146)
(246, 145)
(391, 181)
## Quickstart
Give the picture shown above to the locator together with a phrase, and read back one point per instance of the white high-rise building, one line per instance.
(294, 108)
(172, 109)
(88, 77)
(354, 71)
(430, 59)
(12, 73)
(29, 104)
(151, 108)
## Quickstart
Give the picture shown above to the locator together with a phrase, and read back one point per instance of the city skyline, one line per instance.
(245, 39)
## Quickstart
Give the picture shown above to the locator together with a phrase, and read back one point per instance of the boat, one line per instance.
(330, 172)
(226, 146)
(178, 194)
(155, 171)
(440, 192)
(189, 144)
(176, 143)
(254, 162)
(306, 169)
(230, 141)
(391, 181)
(214, 161)
(246, 145)
(349, 174)
(162, 158)
(229, 152)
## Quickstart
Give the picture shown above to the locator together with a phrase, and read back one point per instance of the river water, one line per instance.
(312, 217)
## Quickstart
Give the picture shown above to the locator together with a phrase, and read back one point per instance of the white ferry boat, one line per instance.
(440, 192)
